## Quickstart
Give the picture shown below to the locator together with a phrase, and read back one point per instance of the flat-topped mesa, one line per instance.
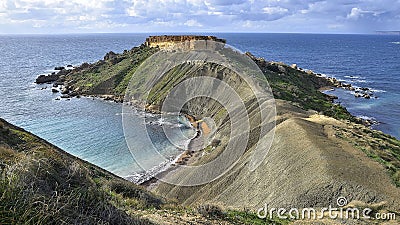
(184, 41)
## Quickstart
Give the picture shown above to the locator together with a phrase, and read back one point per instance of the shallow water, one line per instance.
(88, 128)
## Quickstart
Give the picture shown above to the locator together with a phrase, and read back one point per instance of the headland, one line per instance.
(320, 151)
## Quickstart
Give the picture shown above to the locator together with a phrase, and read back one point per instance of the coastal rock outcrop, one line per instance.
(46, 78)
(184, 42)
(321, 81)
(59, 68)
(165, 41)
(109, 56)
(258, 60)
(64, 91)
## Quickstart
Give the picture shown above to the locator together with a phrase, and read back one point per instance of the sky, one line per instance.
(140, 16)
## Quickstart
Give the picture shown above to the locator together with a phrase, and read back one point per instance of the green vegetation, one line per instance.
(172, 78)
(111, 75)
(41, 184)
(237, 217)
(381, 147)
(302, 88)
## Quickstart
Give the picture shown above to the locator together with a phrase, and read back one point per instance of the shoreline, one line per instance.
(167, 166)
(182, 159)
(331, 84)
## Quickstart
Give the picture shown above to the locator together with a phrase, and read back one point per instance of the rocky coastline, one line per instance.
(65, 87)
(325, 82)
(68, 79)
(307, 131)
(63, 82)
(322, 82)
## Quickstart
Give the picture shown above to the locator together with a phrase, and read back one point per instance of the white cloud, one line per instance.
(356, 13)
(198, 15)
(275, 10)
(88, 18)
(193, 23)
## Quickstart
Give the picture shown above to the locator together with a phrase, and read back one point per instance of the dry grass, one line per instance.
(40, 184)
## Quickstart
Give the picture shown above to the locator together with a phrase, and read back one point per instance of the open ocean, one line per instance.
(92, 129)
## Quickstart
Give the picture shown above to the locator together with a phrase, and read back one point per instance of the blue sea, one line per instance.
(92, 129)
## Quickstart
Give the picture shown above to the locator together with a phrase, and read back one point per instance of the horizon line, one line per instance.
(195, 32)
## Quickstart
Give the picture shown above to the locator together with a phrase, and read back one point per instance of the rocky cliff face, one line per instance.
(168, 41)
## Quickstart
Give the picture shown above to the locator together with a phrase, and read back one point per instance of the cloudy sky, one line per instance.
(135, 16)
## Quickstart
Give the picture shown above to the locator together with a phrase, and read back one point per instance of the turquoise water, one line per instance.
(92, 130)
(88, 128)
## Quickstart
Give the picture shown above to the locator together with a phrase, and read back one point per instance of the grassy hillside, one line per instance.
(42, 184)
(303, 89)
(109, 76)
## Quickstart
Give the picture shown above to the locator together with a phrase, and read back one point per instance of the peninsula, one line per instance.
(320, 151)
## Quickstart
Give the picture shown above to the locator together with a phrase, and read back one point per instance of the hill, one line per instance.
(320, 151)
